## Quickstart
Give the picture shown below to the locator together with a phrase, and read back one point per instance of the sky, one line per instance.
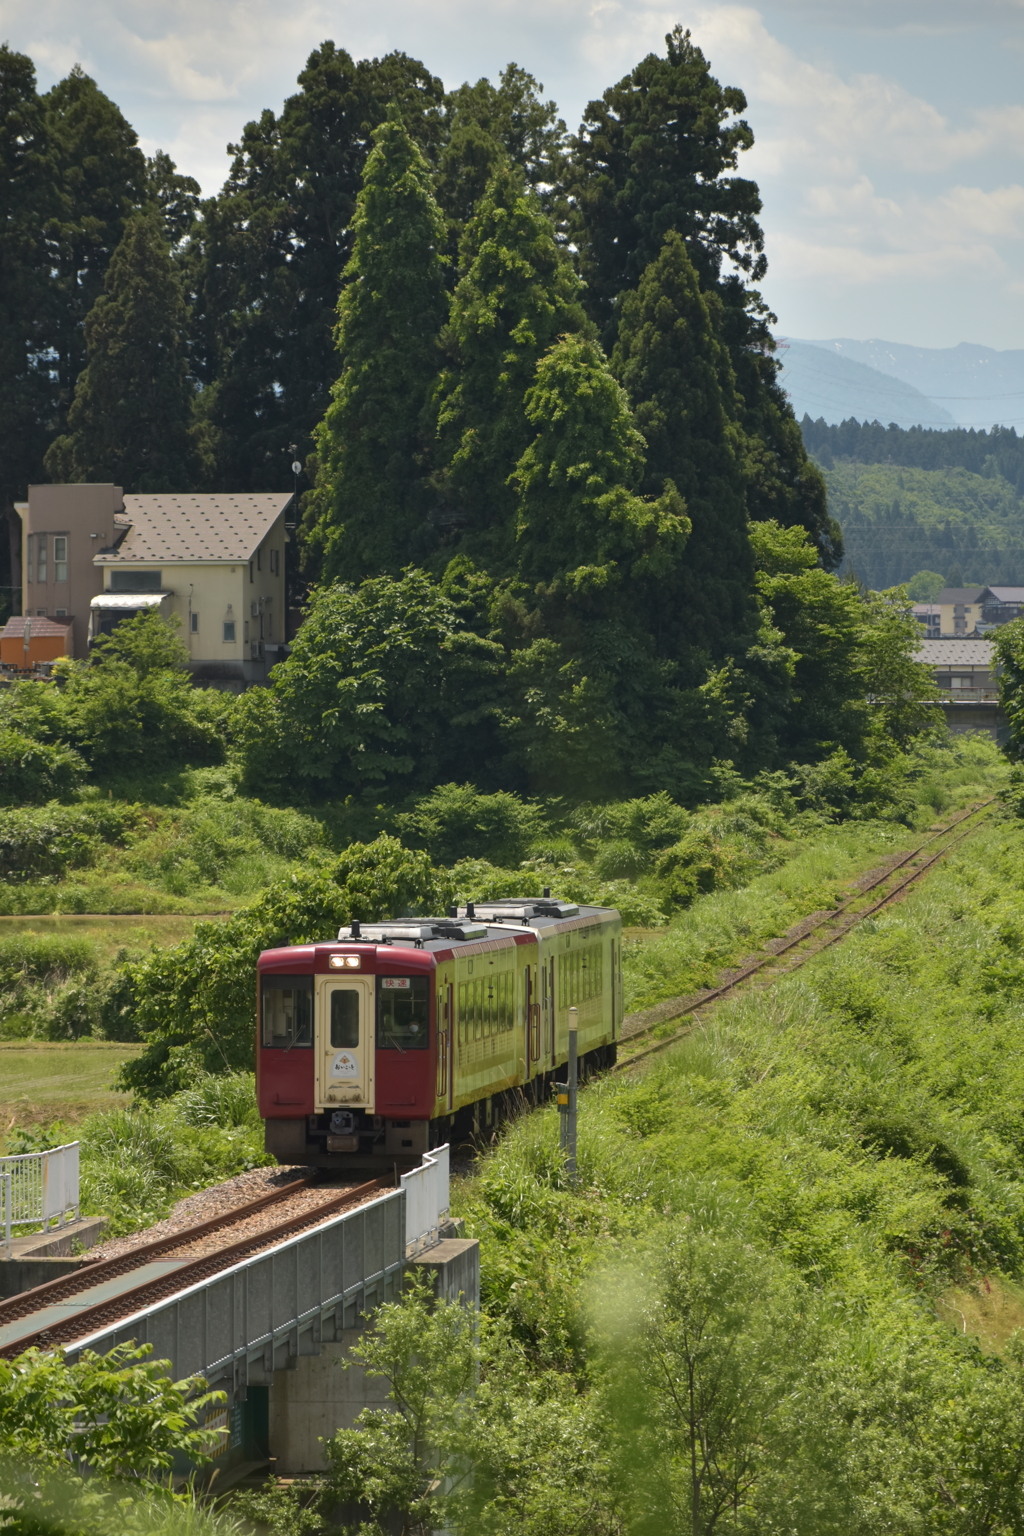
(889, 136)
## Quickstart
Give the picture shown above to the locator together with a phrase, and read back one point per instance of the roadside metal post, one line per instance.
(570, 1117)
(8, 1194)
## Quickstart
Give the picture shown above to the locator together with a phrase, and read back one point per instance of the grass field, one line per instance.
(40, 1082)
(109, 932)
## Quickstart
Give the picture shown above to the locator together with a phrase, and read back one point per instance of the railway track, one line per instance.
(106, 1290)
(815, 936)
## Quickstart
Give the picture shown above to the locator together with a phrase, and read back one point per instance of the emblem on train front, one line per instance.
(344, 1065)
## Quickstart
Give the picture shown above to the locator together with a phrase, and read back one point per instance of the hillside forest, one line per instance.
(912, 499)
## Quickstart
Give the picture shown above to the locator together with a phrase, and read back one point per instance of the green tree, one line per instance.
(1009, 656)
(516, 294)
(925, 586)
(132, 419)
(901, 688)
(28, 201)
(653, 155)
(100, 178)
(267, 257)
(485, 125)
(369, 513)
(383, 690)
(680, 381)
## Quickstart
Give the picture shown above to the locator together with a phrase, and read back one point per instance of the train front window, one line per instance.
(287, 1011)
(403, 1013)
(344, 1018)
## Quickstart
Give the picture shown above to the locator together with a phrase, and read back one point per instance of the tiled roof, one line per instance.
(167, 529)
(947, 595)
(1007, 594)
(40, 626)
(956, 653)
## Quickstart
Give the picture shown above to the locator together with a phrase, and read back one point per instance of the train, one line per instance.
(403, 1034)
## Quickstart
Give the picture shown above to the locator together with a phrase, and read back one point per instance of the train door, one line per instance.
(527, 1020)
(547, 1011)
(445, 1045)
(613, 997)
(345, 1042)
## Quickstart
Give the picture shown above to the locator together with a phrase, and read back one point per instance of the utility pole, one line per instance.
(567, 1100)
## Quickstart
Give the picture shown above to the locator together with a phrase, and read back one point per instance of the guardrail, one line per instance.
(427, 1200)
(39, 1187)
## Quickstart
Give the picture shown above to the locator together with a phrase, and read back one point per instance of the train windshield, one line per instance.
(287, 1011)
(403, 1013)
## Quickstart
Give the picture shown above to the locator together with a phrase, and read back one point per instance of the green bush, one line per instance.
(44, 844)
(32, 772)
(455, 821)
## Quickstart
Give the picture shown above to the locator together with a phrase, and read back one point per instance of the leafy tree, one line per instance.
(118, 1414)
(32, 772)
(371, 501)
(925, 586)
(516, 294)
(653, 156)
(383, 689)
(821, 620)
(901, 688)
(192, 1002)
(1009, 656)
(132, 419)
(679, 379)
(267, 259)
(100, 176)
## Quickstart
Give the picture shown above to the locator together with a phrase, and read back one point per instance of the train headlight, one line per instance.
(344, 962)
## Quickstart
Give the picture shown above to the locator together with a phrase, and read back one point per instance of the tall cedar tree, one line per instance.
(372, 497)
(101, 179)
(267, 262)
(516, 294)
(654, 155)
(485, 124)
(132, 417)
(27, 202)
(593, 696)
(680, 380)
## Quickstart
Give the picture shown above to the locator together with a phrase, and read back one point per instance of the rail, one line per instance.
(39, 1187)
(678, 1008)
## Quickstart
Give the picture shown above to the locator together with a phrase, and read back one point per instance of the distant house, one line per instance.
(964, 671)
(216, 562)
(955, 612)
(1001, 605)
(28, 642)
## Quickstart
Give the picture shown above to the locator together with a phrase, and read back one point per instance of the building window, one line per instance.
(60, 613)
(275, 562)
(41, 558)
(259, 559)
(250, 570)
(229, 631)
(60, 557)
(135, 581)
(245, 630)
(270, 626)
(30, 557)
(40, 613)
(194, 623)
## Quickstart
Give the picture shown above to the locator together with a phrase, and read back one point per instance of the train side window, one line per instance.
(344, 1017)
(403, 1013)
(462, 1012)
(286, 1009)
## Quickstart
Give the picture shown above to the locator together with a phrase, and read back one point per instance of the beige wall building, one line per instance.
(216, 562)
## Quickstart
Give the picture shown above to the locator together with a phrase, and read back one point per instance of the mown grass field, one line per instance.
(41, 1082)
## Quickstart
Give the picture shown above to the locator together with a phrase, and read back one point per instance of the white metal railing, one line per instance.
(39, 1187)
(426, 1200)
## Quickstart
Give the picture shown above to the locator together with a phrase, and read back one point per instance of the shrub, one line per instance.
(45, 844)
(455, 821)
(32, 772)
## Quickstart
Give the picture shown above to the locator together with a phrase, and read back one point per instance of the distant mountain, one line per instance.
(828, 385)
(977, 386)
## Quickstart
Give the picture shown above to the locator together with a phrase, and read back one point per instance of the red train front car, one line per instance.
(402, 1034)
